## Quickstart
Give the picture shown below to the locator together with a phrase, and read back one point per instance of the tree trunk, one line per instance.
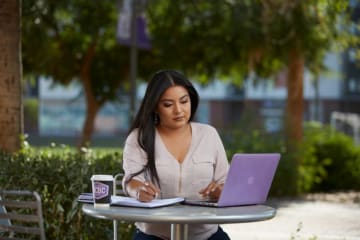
(295, 99)
(11, 118)
(92, 105)
(92, 108)
(294, 117)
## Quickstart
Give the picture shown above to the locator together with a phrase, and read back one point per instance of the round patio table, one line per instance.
(180, 215)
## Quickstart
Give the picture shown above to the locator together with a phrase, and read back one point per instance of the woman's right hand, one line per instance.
(143, 191)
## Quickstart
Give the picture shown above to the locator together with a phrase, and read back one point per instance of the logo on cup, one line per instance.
(101, 190)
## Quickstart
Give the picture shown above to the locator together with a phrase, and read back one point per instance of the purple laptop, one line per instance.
(248, 181)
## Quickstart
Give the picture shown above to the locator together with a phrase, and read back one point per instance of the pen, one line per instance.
(147, 181)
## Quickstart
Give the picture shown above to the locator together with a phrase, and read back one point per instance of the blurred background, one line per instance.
(84, 73)
(273, 76)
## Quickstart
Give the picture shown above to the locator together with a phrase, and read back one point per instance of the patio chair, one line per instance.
(21, 215)
(5, 222)
(120, 192)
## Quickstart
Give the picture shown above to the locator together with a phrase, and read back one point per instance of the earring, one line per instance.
(156, 119)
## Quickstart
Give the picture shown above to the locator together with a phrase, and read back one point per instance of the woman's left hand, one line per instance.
(212, 191)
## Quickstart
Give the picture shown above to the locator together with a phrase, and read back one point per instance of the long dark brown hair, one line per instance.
(145, 118)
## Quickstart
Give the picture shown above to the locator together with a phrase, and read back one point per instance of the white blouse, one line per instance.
(205, 161)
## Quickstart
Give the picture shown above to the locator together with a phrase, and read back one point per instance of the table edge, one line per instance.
(89, 210)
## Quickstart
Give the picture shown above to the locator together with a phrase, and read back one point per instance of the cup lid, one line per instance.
(102, 177)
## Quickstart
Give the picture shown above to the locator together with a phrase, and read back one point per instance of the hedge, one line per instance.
(59, 176)
(327, 160)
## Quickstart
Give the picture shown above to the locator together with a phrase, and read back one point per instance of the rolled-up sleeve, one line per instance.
(134, 158)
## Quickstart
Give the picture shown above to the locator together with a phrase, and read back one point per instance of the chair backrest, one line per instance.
(21, 216)
(118, 190)
(3, 221)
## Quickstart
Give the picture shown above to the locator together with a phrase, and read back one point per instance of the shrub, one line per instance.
(331, 160)
(59, 177)
(327, 160)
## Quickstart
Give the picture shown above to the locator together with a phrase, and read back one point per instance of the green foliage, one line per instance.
(329, 160)
(60, 175)
(64, 32)
(244, 36)
(31, 110)
(76, 40)
(73, 36)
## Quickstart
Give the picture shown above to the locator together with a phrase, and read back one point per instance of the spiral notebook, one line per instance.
(132, 202)
(248, 181)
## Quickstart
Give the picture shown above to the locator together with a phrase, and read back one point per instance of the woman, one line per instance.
(168, 155)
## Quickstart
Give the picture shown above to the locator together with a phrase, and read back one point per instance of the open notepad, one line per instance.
(132, 202)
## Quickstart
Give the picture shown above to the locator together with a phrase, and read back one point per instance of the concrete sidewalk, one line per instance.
(303, 220)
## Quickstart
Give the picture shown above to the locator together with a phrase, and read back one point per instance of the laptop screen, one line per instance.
(249, 178)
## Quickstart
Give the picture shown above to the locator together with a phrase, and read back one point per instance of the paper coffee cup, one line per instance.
(102, 188)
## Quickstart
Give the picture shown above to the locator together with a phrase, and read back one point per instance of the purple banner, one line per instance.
(124, 32)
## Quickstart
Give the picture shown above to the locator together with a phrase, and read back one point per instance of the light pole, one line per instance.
(133, 59)
(129, 32)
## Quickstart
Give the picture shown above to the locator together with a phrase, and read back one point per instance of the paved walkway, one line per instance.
(323, 217)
